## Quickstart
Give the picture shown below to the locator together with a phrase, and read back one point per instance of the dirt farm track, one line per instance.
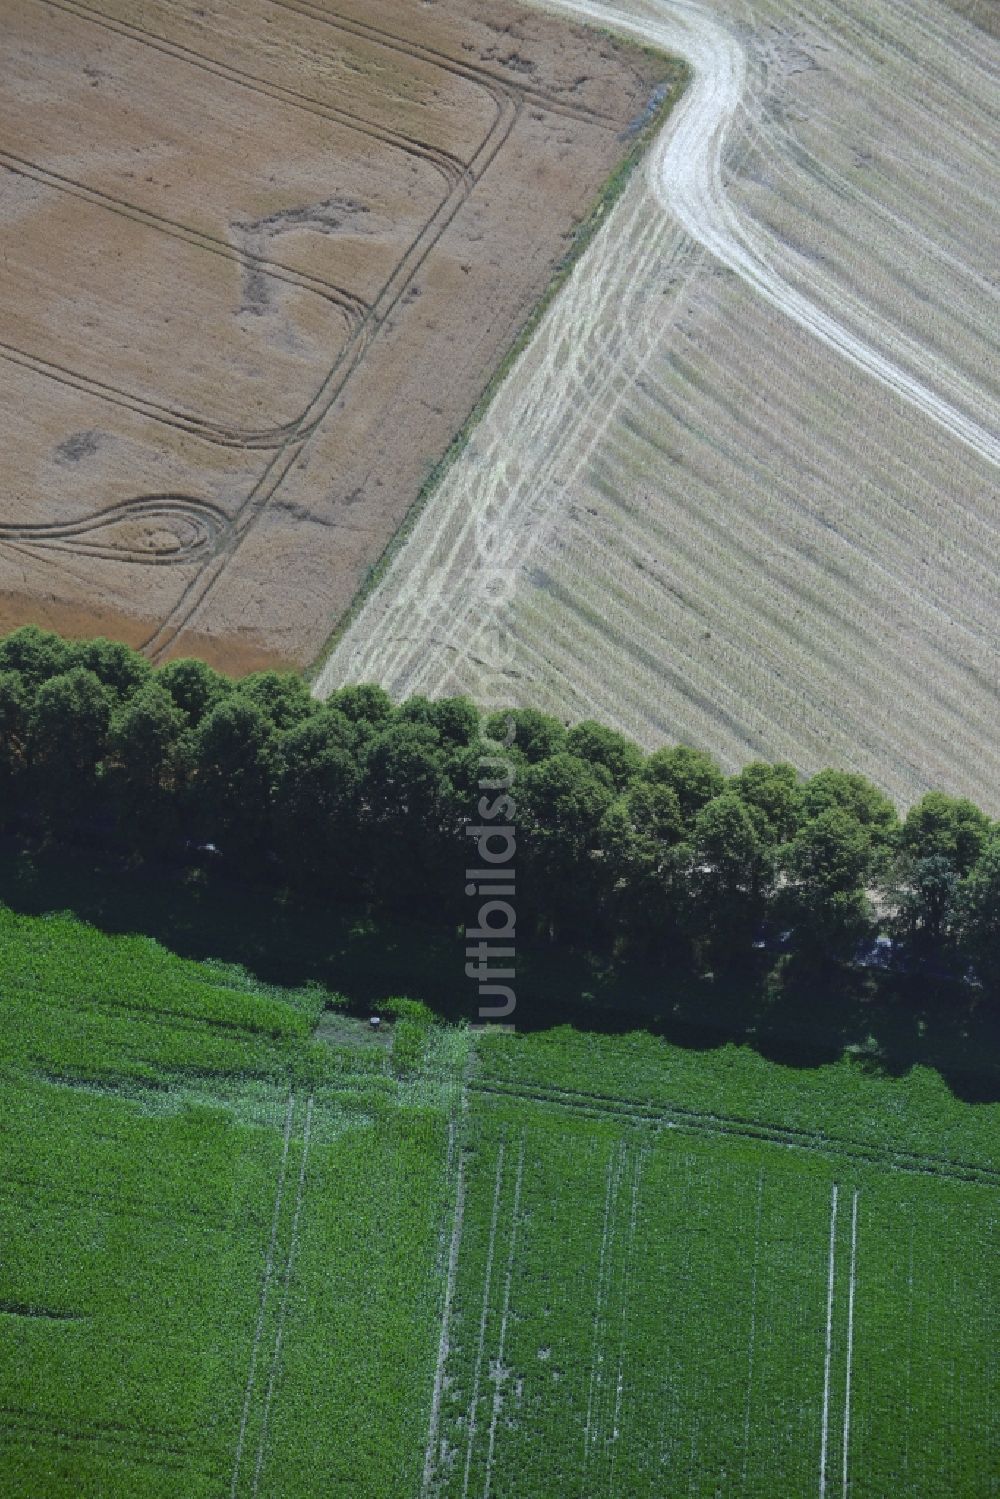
(259, 258)
(741, 489)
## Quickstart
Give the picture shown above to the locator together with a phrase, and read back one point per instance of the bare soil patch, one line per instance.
(258, 259)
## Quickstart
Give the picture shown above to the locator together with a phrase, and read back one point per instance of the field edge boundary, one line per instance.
(680, 74)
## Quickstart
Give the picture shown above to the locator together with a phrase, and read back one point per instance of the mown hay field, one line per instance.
(258, 261)
(741, 489)
(249, 1249)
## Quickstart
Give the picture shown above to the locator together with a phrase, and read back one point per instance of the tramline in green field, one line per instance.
(242, 1261)
(670, 1312)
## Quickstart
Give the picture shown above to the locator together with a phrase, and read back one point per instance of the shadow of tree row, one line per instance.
(786, 1014)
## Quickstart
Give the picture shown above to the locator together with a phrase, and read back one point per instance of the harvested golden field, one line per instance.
(741, 489)
(259, 258)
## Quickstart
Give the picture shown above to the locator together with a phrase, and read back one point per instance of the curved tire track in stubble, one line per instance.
(461, 178)
(180, 529)
(203, 531)
(352, 307)
(423, 616)
(687, 179)
(455, 173)
(446, 163)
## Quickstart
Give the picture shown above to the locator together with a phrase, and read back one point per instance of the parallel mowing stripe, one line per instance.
(829, 1343)
(268, 1270)
(850, 1336)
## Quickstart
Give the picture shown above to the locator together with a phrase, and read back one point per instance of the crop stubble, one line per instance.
(258, 262)
(741, 489)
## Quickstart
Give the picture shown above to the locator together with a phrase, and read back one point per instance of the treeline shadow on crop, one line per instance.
(796, 1016)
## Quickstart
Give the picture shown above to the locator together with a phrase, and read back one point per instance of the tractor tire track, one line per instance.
(169, 416)
(498, 525)
(283, 1308)
(851, 1288)
(703, 1122)
(828, 1351)
(628, 1282)
(501, 1370)
(285, 442)
(484, 77)
(686, 176)
(353, 307)
(612, 1184)
(444, 1346)
(349, 359)
(420, 630)
(174, 1450)
(449, 166)
(198, 527)
(262, 1309)
(484, 1316)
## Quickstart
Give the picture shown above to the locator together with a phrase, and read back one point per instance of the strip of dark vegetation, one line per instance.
(329, 842)
(20, 1309)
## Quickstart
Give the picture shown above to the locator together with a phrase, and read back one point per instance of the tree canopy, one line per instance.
(374, 802)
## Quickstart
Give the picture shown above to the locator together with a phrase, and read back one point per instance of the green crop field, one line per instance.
(248, 1249)
(701, 1274)
(221, 1238)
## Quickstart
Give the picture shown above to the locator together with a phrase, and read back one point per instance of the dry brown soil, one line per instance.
(258, 259)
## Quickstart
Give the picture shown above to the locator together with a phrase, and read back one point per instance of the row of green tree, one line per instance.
(362, 800)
